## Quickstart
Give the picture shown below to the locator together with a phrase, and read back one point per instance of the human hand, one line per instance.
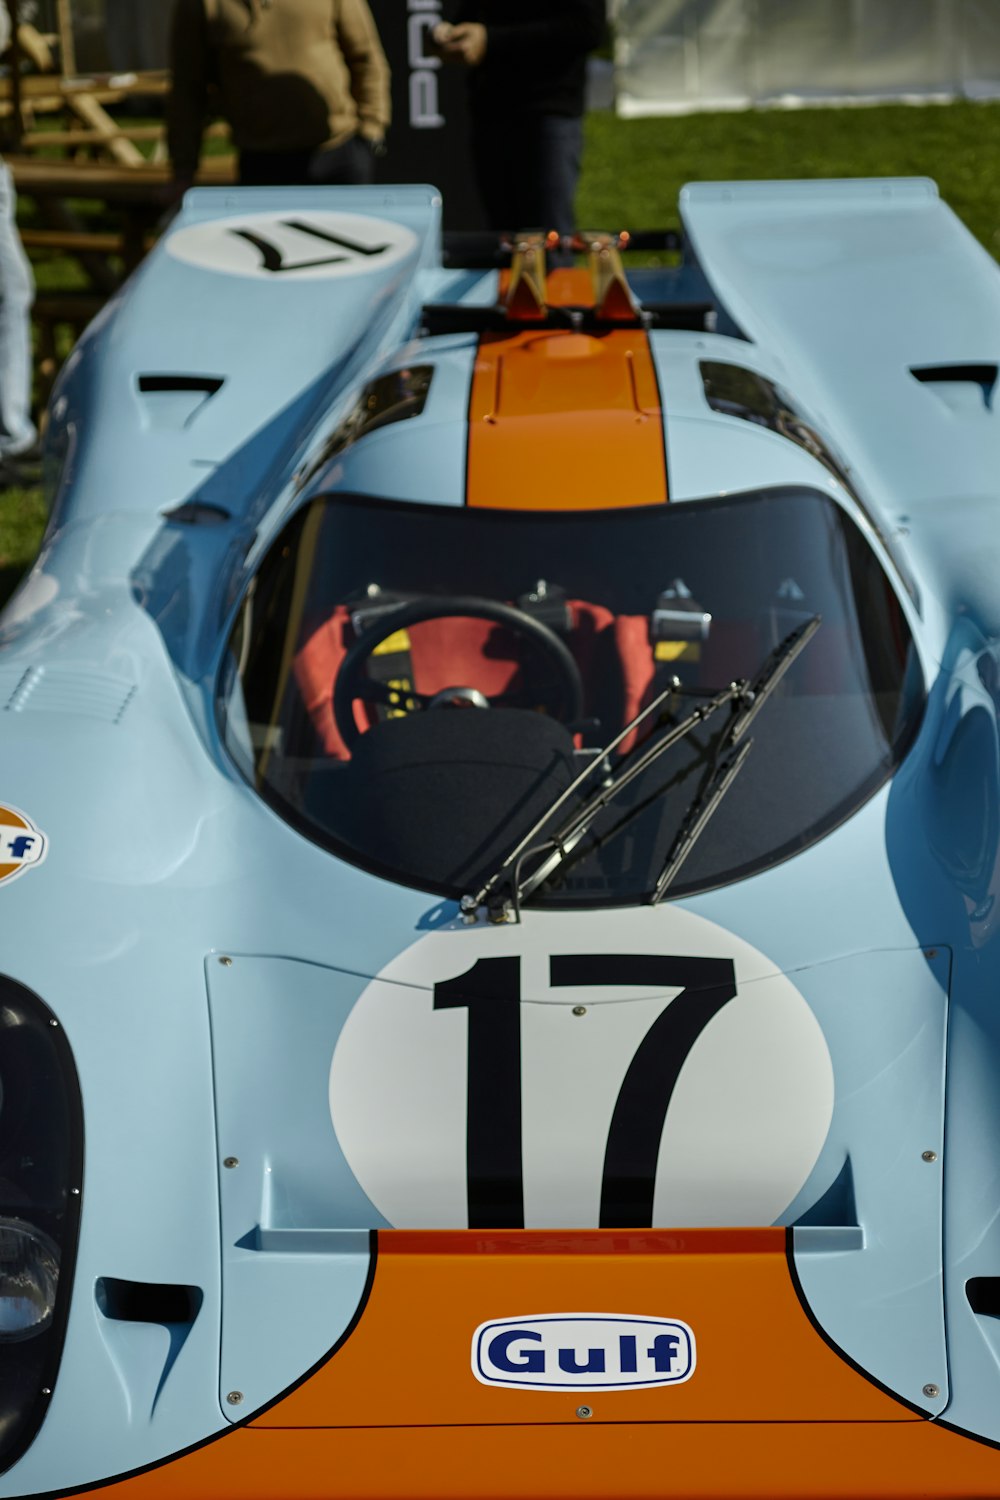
(464, 44)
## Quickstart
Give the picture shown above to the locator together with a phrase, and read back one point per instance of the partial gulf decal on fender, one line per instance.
(647, 1068)
(22, 845)
(583, 1352)
(312, 245)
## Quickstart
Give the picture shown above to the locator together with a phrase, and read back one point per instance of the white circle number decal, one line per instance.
(646, 1068)
(304, 245)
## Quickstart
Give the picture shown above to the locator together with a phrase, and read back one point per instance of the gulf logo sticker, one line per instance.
(22, 845)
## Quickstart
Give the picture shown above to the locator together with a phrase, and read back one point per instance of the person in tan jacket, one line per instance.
(304, 85)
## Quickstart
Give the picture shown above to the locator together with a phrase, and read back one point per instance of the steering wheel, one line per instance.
(352, 683)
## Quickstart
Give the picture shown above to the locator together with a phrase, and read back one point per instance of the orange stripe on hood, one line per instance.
(560, 420)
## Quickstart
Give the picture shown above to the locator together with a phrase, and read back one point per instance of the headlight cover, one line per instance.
(41, 1165)
(29, 1279)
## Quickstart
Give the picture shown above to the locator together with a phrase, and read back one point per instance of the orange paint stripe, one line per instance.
(560, 420)
(396, 1414)
(734, 1290)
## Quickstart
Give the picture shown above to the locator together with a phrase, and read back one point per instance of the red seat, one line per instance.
(451, 651)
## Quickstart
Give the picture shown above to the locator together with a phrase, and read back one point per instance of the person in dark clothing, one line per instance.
(527, 65)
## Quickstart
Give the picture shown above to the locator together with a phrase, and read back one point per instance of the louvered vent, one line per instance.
(58, 690)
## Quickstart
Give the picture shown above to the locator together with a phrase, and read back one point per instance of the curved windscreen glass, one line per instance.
(417, 687)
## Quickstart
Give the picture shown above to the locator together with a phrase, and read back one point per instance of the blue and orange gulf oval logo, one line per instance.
(22, 845)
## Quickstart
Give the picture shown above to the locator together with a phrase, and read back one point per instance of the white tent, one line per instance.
(678, 56)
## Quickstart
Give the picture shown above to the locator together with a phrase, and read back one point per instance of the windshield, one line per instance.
(414, 687)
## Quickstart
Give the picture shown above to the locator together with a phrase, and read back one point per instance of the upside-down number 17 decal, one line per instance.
(491, 993)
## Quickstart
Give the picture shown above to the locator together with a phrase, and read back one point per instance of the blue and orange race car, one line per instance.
(499, 865)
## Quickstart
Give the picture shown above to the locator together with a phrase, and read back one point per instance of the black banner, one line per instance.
(428, 141)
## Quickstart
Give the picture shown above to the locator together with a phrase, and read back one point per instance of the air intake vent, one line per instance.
(983, 1293)
(172, 402)
(962, 388)
(147, 1301)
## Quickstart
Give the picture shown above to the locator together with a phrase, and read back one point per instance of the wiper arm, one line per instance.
(562, 843)
(470, 904)
(570, 833)
(748, 699)
(729, 761)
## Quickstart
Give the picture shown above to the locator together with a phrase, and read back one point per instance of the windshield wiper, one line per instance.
(747, 698)
(567, 837)
(698, 816)
(729, 760)
(470, 904)
(569, 834)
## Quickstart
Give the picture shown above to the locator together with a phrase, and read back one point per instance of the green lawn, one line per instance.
(22, 519)
(633, 170)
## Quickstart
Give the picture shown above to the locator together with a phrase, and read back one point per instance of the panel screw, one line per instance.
(930, 953)
(74, 1192)
(231, 1161)
(580, 1010)
(226, 963)
(584, 1412)
(53, 1023)
(235, 1397)
(932, 1390)
(46, 1390)
(928, 1156)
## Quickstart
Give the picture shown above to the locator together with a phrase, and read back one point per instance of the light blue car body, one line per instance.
(202, 957)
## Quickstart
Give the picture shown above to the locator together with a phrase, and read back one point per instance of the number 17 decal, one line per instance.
(491, 993)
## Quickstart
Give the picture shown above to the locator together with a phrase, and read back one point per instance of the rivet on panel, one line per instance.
(584, 1412)
(928, 1156)
(579, 1010)
(234, 1398)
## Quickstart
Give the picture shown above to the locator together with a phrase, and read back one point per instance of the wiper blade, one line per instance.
(770, 674)
(748, 698)
(470, 904)
(572, 831)
(698, 817)
(565, 839)
(729, 761)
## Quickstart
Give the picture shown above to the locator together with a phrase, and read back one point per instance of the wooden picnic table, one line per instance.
(84, 98)
(136, 196)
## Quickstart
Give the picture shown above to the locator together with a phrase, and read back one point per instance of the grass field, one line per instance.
(633, 170)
